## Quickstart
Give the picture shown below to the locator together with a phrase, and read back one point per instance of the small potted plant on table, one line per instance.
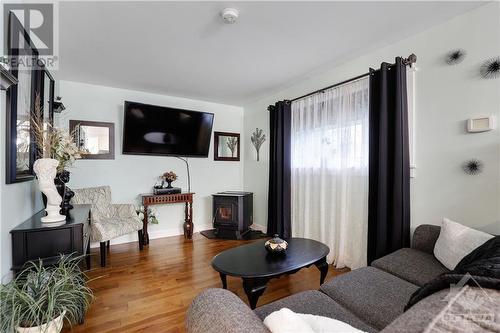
(39, 299)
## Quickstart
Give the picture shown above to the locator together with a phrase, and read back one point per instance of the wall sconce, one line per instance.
(58, 105)
(7, 79)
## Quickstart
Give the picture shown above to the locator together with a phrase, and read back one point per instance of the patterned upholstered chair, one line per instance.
(108, 220)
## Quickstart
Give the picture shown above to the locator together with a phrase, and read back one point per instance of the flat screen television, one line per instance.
(157, 130)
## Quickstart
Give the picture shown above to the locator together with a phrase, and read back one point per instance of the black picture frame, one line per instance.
(74, 127)
(218, 156)
(14, 123)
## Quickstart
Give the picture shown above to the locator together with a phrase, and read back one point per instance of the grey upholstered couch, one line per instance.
(371, 299)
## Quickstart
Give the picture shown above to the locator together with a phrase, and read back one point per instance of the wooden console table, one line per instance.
(161, 199)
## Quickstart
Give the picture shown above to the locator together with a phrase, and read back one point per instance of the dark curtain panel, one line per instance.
(389, 166)
(279, 201)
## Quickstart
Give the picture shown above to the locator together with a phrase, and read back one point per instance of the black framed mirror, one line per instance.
(95, 139)
(226, 146)
(20, 149)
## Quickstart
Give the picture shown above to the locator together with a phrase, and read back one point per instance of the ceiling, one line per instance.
(184, 49)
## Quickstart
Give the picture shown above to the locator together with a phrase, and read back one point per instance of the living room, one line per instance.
(288, 99)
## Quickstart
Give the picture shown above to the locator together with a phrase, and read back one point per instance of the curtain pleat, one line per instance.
(389, 166)
(279, 203)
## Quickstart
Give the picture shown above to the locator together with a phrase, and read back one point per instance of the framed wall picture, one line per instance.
(95, 139)
(20, 150)
(226, 146)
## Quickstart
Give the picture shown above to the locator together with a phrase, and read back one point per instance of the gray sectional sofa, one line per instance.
(371, 299)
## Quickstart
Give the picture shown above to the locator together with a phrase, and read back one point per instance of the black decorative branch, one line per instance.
(455, 56)
(490, 69)
(473, 167)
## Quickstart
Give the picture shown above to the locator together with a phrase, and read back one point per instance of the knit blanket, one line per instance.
(480, 268)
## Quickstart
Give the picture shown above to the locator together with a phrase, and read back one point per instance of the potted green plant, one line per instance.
(39, 298)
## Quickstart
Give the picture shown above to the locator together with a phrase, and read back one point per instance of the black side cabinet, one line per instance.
(33, 240)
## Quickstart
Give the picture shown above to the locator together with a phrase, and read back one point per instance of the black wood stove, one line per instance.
(232, 214)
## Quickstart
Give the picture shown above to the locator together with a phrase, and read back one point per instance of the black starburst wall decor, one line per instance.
(490, 69)
(473, 167)
(455, 56)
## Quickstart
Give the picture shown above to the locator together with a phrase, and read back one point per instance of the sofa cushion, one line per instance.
(372, 294)
(445, 312)
(316, 303)
(411, 265)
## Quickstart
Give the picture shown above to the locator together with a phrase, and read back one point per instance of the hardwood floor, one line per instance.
(150, 291)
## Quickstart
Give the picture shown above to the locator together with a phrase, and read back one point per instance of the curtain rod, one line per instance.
(412, 58)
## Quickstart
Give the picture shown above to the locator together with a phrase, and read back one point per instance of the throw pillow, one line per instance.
(287, 321)
(455, 241)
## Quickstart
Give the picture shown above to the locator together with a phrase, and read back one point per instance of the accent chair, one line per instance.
(108, 220)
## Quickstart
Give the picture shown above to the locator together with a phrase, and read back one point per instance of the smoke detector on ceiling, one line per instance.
(229, 15)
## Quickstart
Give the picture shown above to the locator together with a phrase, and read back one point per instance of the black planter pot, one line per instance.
(64, 191)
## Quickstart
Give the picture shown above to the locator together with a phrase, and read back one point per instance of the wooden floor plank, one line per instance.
(150, 290)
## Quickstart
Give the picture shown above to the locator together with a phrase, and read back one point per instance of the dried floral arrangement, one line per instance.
(258, 138)
(169, 176)
(52, 142)
(232, 142)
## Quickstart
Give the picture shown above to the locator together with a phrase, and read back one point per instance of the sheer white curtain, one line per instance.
(330, 171)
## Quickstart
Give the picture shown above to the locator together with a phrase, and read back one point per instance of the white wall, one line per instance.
(445, 97)
(130, 175)
(17, 201)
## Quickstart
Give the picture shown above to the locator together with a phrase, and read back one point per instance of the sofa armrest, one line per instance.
(425, 237)
(221, 311)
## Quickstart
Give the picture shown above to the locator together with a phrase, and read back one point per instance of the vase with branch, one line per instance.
(258, 138)
(57, 151)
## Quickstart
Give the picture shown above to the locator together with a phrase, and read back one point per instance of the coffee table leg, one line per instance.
(224, 280)
(323, 268)
(254, 288)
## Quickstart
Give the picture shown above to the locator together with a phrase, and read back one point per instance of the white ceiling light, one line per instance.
(229, 15)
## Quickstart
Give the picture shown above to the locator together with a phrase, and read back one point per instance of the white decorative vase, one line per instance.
(54, 326)
(46, 169)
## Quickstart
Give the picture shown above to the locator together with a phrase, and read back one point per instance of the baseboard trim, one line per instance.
(154, 234)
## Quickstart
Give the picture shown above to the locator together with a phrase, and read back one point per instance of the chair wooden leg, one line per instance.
(107, 244)
(103, 254)
(141, 239)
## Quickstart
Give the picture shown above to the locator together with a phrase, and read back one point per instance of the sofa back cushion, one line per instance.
(455, 241)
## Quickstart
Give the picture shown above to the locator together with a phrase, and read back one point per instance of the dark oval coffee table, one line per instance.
(256, 266)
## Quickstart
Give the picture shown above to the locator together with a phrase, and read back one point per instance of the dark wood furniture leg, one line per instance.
(323, 268)
(103, 254)
(223, 278)
(87, 256)
(107, 245)
(141, 239)
(145, 235)
(254, 288)
(188, 221)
